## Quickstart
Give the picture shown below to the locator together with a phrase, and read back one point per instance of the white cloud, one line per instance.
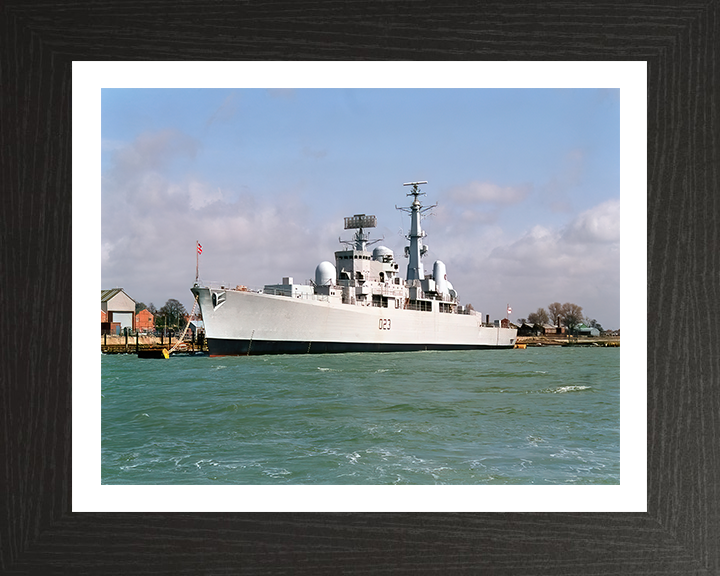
(246, 239)
(153, 151)
(202, 195)
(600, 224)
(463, 208)
(586, 246)
(577, 262)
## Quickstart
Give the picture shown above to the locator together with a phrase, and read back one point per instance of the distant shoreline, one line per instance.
(564, 340)
(116, 344)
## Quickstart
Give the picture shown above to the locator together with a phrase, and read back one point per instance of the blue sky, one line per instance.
(527, 183)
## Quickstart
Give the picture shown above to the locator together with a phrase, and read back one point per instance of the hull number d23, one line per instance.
(384, 324)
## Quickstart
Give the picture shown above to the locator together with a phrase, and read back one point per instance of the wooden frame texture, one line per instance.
(680, 533)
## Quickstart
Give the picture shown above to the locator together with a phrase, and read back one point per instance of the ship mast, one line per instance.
(417, 249)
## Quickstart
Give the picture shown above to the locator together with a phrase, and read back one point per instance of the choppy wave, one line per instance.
(572, 388)
(563, 389)
(441, 418)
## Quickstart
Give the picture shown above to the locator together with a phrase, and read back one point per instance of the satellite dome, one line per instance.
(325, 274)
(440, 277)
(382, 252)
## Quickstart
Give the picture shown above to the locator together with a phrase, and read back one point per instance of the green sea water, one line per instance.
(535, 416)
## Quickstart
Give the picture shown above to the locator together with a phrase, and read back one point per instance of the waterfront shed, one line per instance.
(549, 329)
(584, 330)
(119, 307)
(526, 329)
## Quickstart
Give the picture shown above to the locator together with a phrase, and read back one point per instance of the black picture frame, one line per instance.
(681, 530)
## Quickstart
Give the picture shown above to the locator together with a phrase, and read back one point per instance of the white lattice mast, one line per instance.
(417, 248)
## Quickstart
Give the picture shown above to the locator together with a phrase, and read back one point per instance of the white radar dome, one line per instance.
(325, 274)
(440, 277)
(382, 252)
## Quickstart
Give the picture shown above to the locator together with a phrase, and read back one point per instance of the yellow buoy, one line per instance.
(166, 354)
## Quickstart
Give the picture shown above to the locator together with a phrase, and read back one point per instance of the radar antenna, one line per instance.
(415, 190)
(361, 239)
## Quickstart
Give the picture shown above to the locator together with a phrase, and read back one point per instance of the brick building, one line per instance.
(144, 321)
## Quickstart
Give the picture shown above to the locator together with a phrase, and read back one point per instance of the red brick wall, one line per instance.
(144, 321)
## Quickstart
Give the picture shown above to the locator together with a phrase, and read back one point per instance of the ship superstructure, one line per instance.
(358, 304)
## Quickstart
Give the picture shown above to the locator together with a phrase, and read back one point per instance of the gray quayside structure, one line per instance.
(359, 304)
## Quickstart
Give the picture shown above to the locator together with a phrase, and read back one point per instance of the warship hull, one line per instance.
(240, 322)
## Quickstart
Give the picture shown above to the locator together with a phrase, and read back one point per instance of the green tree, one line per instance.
(139, 307)
(171, 316)
(571, 315)
(539, 317)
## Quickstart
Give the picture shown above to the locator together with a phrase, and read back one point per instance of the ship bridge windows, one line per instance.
(447, 307)
(379, 301)
(351, 256)
(420, 305)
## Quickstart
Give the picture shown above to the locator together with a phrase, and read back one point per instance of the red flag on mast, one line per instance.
(197, 260)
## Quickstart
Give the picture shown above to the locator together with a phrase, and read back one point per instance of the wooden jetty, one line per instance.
(148, 346)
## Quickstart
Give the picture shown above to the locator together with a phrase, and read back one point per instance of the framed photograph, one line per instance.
(535, 220)
(57, 523)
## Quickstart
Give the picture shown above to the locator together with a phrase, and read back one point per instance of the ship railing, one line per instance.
(297, 295)
(450, 308)
(315, 297)
(214, 285)
(389, 291)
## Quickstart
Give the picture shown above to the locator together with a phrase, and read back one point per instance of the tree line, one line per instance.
(171, 316)
(568, 315)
